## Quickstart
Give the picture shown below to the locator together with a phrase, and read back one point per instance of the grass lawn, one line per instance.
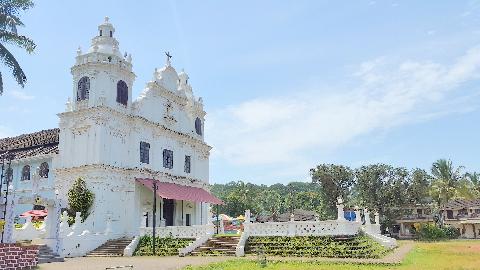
(458, 254)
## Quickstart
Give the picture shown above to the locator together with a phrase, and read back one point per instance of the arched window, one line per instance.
(83, 88)
(198, 126)
(122, 93)
(26, 173)
(44, 170)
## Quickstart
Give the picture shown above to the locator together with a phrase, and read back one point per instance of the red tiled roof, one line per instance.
(180, 192)
(31, 144)
(461, 204)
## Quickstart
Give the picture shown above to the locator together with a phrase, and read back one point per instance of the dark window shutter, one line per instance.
(122, 93)
(144, 152)
(83, 88)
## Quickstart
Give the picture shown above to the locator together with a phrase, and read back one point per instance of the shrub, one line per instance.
(80, 199)
(430, 232)
(167, 246)
(316, 246)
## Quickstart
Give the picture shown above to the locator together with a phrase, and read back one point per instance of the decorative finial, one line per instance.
(169, 56)
(79, 50)
(106, 19)
(129, 58)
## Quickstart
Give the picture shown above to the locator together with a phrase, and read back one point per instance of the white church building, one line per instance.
(119, 145)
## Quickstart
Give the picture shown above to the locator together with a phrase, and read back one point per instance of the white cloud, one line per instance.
(20, 95)
(283, 130)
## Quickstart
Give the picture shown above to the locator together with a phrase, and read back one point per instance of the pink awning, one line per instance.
(180, 192)
(35, 213)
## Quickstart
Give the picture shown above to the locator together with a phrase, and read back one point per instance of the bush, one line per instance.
(163, 246)
(430, 232)
(80, 199)
(316, 246)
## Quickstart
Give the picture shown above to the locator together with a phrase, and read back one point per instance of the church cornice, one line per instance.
(132, 173)
(102, 114)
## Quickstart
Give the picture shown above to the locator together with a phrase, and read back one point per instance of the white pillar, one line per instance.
(247, 216)
(358, 216)
(340, 214)
(377, 218)
(222, 229)
(9, 217)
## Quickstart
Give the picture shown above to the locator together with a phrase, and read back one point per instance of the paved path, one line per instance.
(139, 263)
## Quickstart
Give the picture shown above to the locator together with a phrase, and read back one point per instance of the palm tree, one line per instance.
(9, 21)
(474, 179)
(446, 180)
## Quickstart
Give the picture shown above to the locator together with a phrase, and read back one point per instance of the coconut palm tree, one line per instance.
(9, 21)
(474, 179)
(446, 181)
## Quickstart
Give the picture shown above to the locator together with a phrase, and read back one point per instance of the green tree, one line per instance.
(382, 188)
(9, 21)
(335, 181)
(446, 180)
(419, 187)
(474, 179)
(271, 202)
(80, 199)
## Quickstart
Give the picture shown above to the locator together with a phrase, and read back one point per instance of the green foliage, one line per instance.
(335, 181)
(9, 21)
(80, 199)
(163, 246)
(316, 246)
(430, 232)
(262, 199)
(447, 179)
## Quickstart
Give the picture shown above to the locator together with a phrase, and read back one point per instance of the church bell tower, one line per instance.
(102, 76)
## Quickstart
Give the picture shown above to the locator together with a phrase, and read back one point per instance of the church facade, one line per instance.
(119, 145)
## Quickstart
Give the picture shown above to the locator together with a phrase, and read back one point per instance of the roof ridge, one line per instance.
(28, 140)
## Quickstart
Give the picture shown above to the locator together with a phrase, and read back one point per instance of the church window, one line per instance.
(25, 173)
(198, 126)
(187, 164)
(8, 176)
(144, 152)
(83, 88)
(122, 93)
(111, 34)
(167, 158)
(44, 170)
(101, 32)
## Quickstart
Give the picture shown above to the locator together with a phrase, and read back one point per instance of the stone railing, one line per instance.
(79, 239)
(29, 232)
(202, 239)
(192, 232)
(303, 228)
(130, 249)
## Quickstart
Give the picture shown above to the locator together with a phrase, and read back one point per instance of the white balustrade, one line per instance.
(303, 228)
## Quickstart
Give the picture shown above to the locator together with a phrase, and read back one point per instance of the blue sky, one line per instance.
(286, 84)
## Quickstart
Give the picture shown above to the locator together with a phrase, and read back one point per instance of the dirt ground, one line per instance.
(147, 263)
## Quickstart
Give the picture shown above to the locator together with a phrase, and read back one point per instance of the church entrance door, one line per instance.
(168, 208)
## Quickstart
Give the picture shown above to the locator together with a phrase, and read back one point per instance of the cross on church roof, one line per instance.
(169, 56)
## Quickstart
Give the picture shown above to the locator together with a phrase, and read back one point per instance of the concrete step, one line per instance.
(111, 248)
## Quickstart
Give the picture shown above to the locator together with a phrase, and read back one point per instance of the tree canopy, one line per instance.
(9, 21)
(378, 187)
